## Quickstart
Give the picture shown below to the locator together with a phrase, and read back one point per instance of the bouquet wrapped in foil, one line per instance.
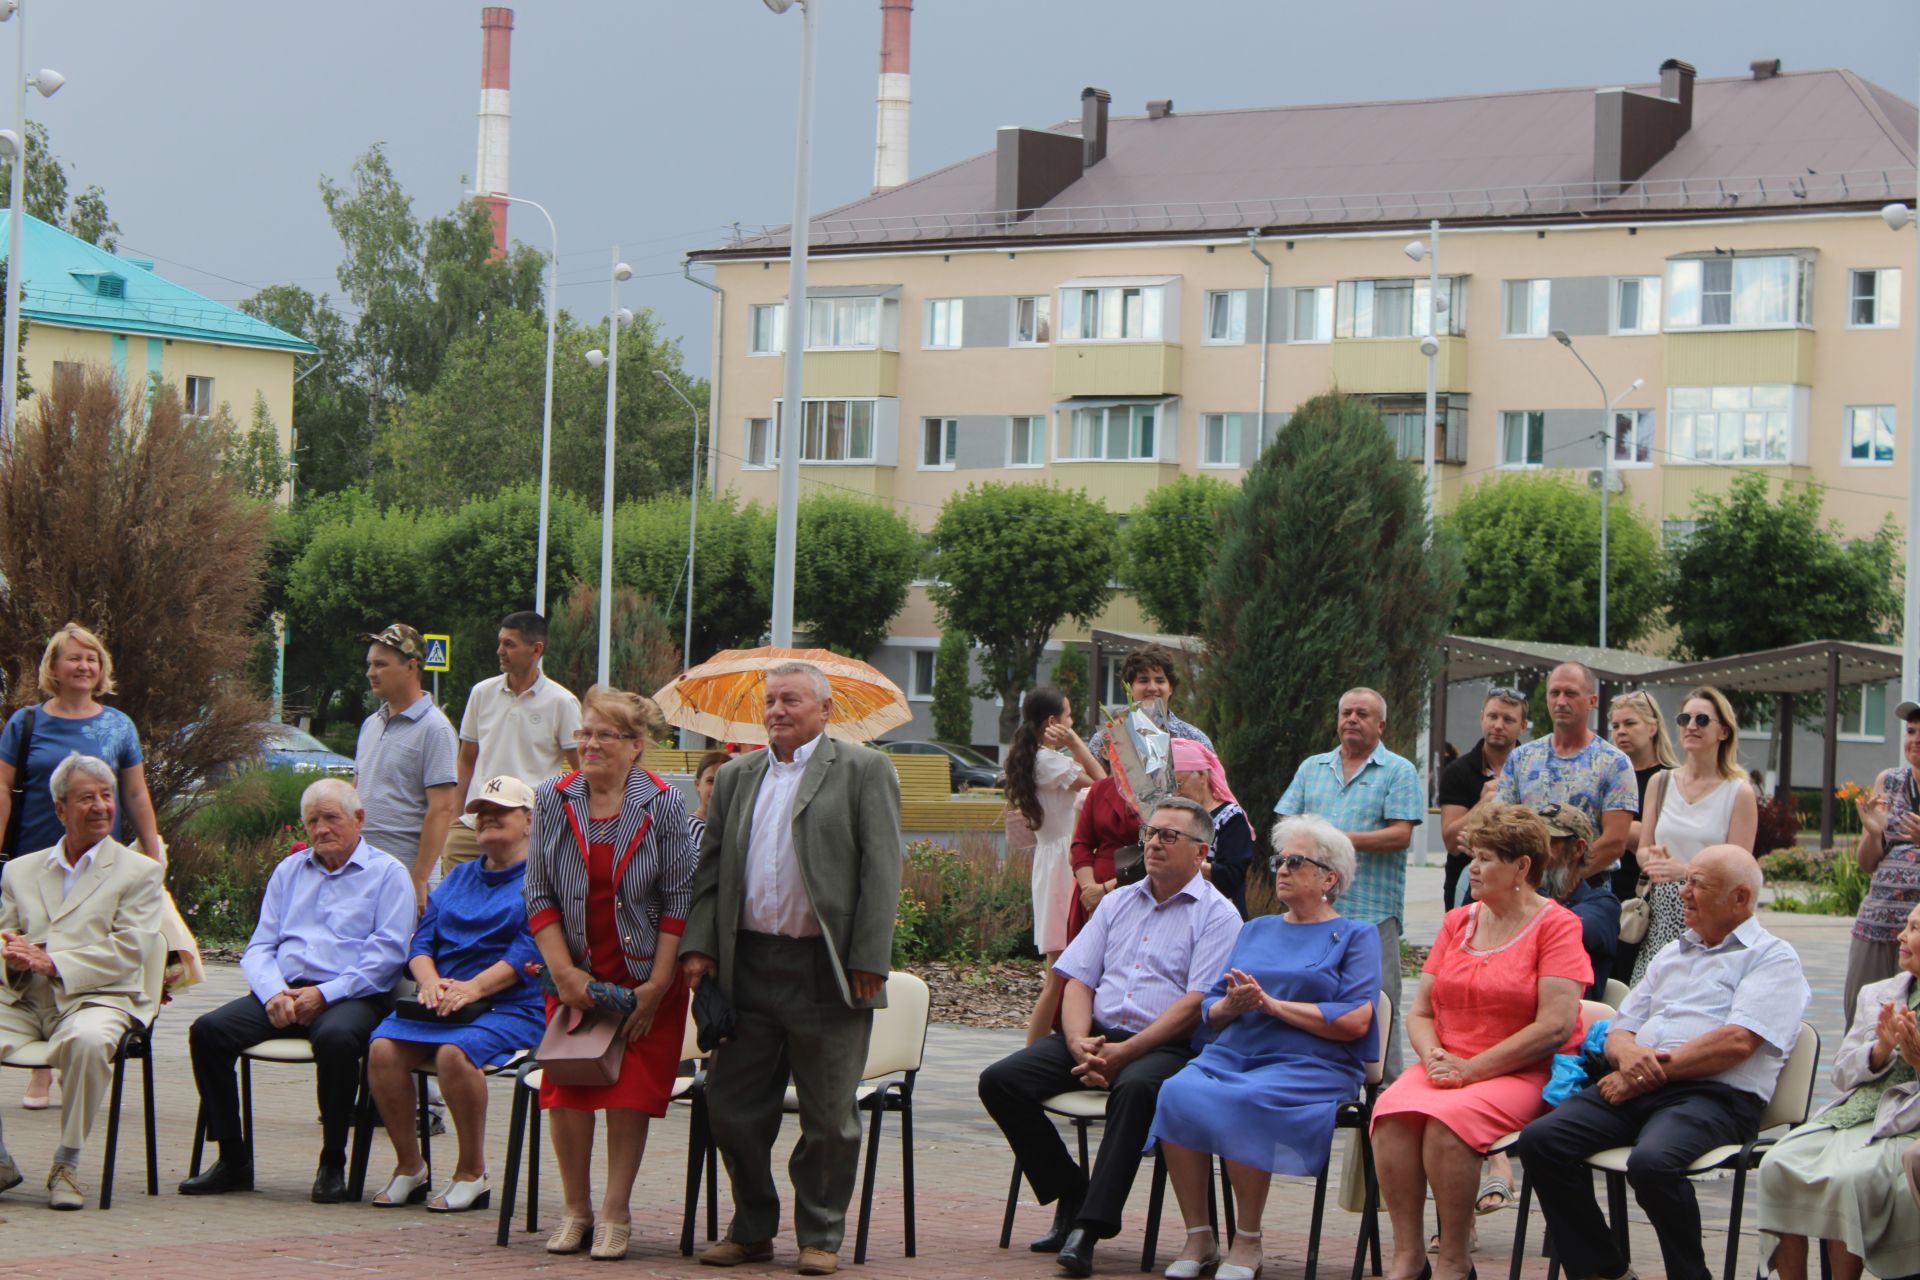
(607, 997)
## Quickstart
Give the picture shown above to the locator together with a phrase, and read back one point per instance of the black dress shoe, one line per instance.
(1065, 1210)
(330, 1184)
(219, 1180)
(1076, 1256)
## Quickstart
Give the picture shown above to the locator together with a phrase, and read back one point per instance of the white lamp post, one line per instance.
(693, 520)
(1606, 461)
(1897, 216)
(617, 315)
(1429, 250)
(785, 523)
(46, 83)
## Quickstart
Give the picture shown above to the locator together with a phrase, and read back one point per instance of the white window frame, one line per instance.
(812, 435)
(842, 322)
(767, 458)
(1537, 305)
(1042, 304)
(1650, 295)
(1120, 313)
(1104, 431)
(1688, 278)
(1509, 420)
(775, 314)
(1232, 427)
(1037, 440)
(1642, 423)
(1886, 413)
(916, 691)
(1322, 295)
(1864, 727)
(1685, 408)
(944, 319)
(1226, 310)
(1885, 297)
(1355, 308)
(949, 429)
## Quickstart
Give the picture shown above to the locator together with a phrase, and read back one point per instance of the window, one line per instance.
(199, 397)
(1730, 424)
(920, 676)
(1026, 442)
(1873, 299)
(760, 450)
(834, 323)
(767, 329)
(1861, 712)
(1115, 313)
(1394, 308)
(1737, 293)
(1523, 438)
(1636, 304)
(943, 323)
(1869, 435)
(1526, 307)
(1407, 423)
(1227, 316)
(1633, 437)
(834, 430)
(1312, 315)
(1119, 433)
(939, 443)
(1033, 321)
(1219, 439)
(63, 369)
(1115, 691)
(1674, 533)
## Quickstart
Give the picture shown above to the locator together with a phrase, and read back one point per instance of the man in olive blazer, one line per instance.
(793, 910)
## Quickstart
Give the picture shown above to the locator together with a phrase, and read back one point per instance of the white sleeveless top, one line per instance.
(1685, 829)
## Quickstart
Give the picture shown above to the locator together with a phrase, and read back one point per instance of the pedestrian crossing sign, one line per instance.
(437, 648)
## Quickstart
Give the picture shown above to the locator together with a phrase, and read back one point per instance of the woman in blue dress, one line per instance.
(472, 944)
(1286, 1035)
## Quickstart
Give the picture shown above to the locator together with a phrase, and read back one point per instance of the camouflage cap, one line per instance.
(400, 636)
(1567, 822)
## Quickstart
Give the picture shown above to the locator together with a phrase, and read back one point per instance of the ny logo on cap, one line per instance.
(493, 786)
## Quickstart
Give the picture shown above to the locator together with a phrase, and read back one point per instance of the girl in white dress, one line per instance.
(1706, 801)
(1047, 766)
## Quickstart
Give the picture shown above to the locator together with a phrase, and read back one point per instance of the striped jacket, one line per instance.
(654, 857)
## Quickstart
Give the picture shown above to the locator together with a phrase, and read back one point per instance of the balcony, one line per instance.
(1372, 365)
(831, 375)
(1122, 486)
(1116, 369)
(838, 478)
(1750, 357)
(1681, 483)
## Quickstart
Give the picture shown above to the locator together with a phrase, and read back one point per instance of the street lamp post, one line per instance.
(1897, 216)
(785, 524)
(1606, 461)
(693, 522)
(46, 83)
(616, 316)
(1429, 249)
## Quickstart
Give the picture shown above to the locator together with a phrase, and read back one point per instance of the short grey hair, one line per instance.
(1331, 846)
(1199, 820)
(338, 790)
(86, 766)
(822, 687)
(1378, 701)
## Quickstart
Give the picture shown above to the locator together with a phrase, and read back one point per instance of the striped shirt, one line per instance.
(1141, 956)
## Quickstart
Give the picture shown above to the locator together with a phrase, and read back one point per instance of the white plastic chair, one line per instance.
(137, 1043)
(295, 1051)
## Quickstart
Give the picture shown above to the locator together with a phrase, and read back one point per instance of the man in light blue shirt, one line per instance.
(333, 934)
(1374, 796)
(1696, 1051)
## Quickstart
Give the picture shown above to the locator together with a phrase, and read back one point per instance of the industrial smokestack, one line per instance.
(896, 96)
(496, 118)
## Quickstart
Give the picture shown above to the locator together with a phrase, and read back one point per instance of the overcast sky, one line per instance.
(655, 123)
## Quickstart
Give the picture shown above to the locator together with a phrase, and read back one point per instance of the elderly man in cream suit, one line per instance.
(80, 923)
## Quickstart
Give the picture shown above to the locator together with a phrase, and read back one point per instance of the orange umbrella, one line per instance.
(725, 696)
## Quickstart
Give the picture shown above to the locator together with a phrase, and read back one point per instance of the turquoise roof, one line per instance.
(71, 283)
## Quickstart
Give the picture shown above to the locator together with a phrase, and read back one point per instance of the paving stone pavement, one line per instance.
(962, 1170)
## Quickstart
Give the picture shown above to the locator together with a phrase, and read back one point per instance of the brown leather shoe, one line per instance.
(818, 1262)
(731, 1253)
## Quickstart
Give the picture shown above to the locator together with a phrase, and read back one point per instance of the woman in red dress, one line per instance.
(609, 876)
(1108, 822)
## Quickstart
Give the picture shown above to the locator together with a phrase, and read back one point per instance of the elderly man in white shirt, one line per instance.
(1696, 1051)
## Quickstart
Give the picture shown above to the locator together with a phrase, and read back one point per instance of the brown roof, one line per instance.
(1800, 140)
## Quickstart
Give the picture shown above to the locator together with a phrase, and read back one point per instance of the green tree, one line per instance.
(1167, 548)
(1759, 572)
(730, 593)
(646, 652)
(1323, 580)
(333, 447)
(853, 561)
(953, 689)
(253, 456)
(1070, 678)
(84, 216)
(1010, 564)
(1529, 548)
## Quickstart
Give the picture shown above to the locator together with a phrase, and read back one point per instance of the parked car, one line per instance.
(286, 747)
(966, 768)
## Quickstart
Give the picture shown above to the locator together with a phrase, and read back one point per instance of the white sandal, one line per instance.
(458, 1197)
(406, 1188)
(1233, 1270)
(1189, 1268)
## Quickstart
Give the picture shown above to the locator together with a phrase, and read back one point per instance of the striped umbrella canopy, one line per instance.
(724, 697)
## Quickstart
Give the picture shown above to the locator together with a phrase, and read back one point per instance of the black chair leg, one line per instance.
(533, 1165)
(1226, 1201)
(1520, 1225)
(516, 1133)
(1213, 1203)
(362, 1138)
(246, 1104)
(696, 1159)
(713, 1186)
(1313, 1228)
(1733, 1220)
(422, 1123)
(866, 1182)
(1080, 1126)
(1013, 1201)
(199, 1137)
(1154, 1204)
(113, 1130)
(906, 1166)
(1617, 1212)
(153, 1145)
(1369, 1241)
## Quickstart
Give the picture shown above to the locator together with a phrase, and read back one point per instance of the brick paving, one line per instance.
(962, 1171)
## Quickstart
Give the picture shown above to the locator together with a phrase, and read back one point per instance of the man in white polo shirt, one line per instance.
(518, 723)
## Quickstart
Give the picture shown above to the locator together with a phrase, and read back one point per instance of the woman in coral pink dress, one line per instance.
(1499, 996)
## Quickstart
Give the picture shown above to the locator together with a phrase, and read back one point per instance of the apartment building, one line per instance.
(1112, 301)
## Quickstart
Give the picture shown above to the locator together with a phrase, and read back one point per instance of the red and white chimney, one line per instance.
(896, 96)
(496, 118)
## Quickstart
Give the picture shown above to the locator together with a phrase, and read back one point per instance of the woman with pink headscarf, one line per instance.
(1199, 776)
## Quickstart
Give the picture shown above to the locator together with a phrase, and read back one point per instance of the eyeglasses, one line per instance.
(1506, 693)
(597, 737)
(1698, 720)
(1166, 835)
(1294, 861)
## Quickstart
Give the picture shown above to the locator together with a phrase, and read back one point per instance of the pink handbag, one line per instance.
(581, 1049)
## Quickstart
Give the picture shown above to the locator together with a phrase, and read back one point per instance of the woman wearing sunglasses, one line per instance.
(1706, 801)
(1287, 1033)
